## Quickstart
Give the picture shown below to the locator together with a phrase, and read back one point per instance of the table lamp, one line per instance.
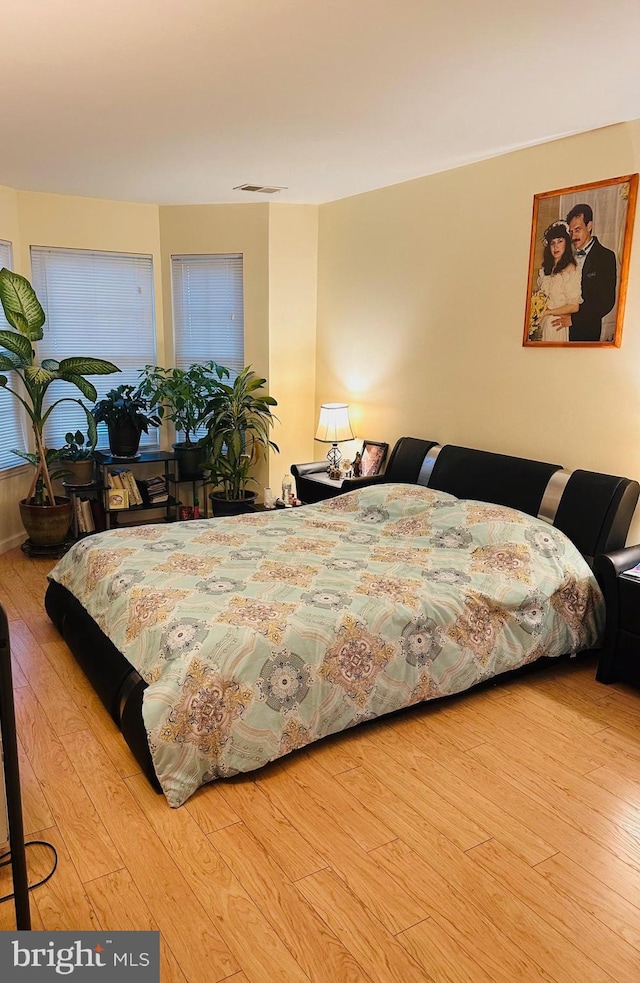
(334, 426)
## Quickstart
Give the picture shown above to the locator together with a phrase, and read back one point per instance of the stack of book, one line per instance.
(122, 478)
(155, 489)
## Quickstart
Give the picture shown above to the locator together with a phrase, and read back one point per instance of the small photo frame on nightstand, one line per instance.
(374, 454)
(118, 498)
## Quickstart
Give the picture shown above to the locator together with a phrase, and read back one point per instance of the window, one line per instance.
(97, 304)
(12, 429)
(208, 310)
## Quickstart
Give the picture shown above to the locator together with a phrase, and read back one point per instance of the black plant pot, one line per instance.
(232, 506)
(124, 439)
(190, 458)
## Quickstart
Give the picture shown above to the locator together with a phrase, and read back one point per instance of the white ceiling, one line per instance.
(177, 102)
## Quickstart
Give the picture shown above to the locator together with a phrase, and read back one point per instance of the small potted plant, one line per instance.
(238, 421)
(76, 457)
(127, 415)
(182, 396)
(45, 516)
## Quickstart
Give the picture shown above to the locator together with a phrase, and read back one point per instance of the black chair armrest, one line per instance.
(607, 567)
(313, 467)
(616, 562)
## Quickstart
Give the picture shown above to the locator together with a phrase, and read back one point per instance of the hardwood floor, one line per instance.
(491, 838)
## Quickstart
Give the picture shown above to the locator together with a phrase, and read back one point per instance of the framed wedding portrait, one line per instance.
(579, 264)
(374, 454)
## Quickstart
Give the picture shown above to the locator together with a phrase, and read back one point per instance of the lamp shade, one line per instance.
(334, 424)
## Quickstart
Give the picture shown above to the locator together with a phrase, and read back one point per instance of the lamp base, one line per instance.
(334, 456)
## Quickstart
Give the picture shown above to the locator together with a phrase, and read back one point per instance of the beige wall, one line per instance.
(293, 262)
(421, 298)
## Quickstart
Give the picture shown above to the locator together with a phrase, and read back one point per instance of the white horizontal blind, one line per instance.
(97, 304)
(208, 310)
(12, 428)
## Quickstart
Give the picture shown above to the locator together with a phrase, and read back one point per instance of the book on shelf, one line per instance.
(123, 478)
(84, 516)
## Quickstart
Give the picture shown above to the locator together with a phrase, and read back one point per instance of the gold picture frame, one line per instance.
(579, 264)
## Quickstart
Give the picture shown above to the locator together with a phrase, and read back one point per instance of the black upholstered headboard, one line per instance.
(594, 510)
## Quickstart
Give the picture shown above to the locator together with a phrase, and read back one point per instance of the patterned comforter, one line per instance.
(261, 633)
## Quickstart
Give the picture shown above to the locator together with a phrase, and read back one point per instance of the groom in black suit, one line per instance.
(598, 267)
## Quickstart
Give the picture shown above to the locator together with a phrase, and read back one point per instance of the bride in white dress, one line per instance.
(559, 280)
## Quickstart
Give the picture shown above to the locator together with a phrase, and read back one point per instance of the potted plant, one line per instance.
(45, 517)
(181, 396)
(127, 414)
(76, 457)
(238, 421)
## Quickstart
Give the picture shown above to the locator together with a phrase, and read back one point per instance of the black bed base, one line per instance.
(121, 688)
(114, 679)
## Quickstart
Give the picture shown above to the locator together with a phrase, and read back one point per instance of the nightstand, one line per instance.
(313, 484)
(620, 658)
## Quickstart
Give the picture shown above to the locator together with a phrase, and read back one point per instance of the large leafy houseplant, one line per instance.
(182, 396)
(238, 421)
(24, 313)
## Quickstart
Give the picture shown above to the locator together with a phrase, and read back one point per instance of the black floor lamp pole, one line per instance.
(12, 780)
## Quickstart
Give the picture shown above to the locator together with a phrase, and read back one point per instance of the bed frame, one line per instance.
(594, 510)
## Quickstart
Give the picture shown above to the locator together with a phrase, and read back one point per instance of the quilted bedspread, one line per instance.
(261, 633)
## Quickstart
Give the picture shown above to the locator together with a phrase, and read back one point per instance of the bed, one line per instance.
(223, 644)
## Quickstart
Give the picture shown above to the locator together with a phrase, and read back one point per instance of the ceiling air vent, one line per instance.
(259, 188)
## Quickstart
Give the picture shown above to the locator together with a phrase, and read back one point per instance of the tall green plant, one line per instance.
(238, 422)
(182, 395)
(24, 313)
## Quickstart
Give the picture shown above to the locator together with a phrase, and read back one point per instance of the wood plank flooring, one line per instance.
(494, 837)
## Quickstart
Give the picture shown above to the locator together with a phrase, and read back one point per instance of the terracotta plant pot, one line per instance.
(81, 472)
(47, 525)
(232, 506)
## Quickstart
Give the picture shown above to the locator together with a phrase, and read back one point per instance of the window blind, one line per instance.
(97, 304)
(13, 430)
(208, 310)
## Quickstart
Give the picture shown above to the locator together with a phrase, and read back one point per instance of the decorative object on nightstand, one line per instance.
(334, 426)
(269, 499)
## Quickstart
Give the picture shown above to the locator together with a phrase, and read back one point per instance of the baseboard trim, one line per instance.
(12, 541)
